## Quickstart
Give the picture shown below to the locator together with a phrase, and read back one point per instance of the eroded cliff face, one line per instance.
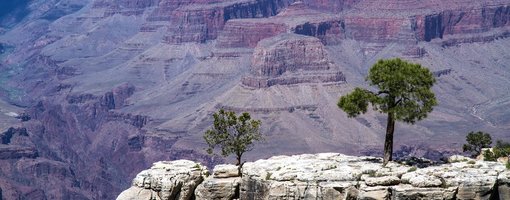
(95, 91)
(323, 176)
(289, 59)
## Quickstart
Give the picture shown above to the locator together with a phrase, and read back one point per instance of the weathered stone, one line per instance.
(458, 158)
(225, 171)
(214, 188)
(167, 180)
(324, 176)
(421, 180)
(382, 181)
(410, 192)
(371, 193)
(290, 59)
(504, 185)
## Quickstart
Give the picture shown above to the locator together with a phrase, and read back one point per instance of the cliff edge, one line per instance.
(323, 176)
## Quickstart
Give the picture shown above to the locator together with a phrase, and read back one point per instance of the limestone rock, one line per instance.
(458, 158)
(290, 59)
(322, 176)
(378, 192)
(382, 181)
(214, 188)
(225, 171)
(504, 185)
(410, 192)
(167, 180)
(421, 180)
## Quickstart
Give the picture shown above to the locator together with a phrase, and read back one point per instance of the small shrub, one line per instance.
(268, 175)
(502, 149)
(412, 169)
(489, 156)
(197, 166)
(471, 162)
(508, 164)
(372, 173)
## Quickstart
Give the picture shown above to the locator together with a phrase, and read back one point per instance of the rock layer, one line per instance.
(337, 176)
(290, 59)
(167, 180)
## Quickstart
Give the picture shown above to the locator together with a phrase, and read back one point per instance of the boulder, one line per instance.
(218, 188)
(416, 193)
(225, 171)
(458, 158)
(504, 185)
(382, 181)
(166, 180)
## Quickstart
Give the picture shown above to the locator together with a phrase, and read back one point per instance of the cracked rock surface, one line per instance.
(322, 176)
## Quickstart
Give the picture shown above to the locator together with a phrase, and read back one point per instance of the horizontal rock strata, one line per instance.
(290, 59)
(332, 176)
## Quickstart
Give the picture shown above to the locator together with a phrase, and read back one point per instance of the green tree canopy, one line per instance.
(404, 92)
(476, 141)
(233, 134)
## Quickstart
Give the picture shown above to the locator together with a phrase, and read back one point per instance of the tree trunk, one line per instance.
(239, 164)
(388, 142)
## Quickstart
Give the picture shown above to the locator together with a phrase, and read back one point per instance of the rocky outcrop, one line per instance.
(504, 185)
(461, 22)
(297, 18)
(166, 180)
(337, 176)
(247, 33)
(479, 23)
(290, 59)
(223, 184)
(201, 22)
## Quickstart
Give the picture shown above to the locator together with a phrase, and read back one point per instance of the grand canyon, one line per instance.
(94, 91)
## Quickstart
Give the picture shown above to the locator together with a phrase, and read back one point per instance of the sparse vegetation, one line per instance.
(404, 94)
(372, 174)
(501, 149)
(233, 134)
(197, 166)
(476, 141)
(508, 164)
(268, 175)
(412, 169)
(471, 162)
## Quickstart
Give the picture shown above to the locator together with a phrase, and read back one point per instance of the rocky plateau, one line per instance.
(94, 91)
(322, 176)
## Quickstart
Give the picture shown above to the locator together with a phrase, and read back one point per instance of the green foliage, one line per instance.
(476, 141)
(233, 134)
(197, 166)
(471, 162)
(412, 169)
(404, 93)
(508, 164)
(372, 174)
(489, 156)
(404, 90)
(502, 149)
(268, 175)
